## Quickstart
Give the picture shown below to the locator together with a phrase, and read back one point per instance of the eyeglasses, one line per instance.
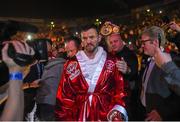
(142, 42)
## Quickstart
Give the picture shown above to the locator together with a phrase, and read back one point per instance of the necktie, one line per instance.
(145, 81)
(145, 71)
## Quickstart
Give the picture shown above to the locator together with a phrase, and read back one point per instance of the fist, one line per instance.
(161, 58)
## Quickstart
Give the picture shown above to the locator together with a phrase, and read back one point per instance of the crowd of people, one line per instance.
(96, 77)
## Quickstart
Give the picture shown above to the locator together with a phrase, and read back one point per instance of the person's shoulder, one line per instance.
(55, 62)
(176, 58)
(71, 61)
(126, 49)
(129, 54)
(111, 57)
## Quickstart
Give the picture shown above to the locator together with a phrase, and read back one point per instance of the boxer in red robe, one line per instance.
(91, 87)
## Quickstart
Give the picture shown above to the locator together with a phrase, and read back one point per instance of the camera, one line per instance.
(40, 48)
(7, 30)
(10, 28)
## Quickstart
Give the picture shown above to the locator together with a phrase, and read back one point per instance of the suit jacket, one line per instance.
(160, 97)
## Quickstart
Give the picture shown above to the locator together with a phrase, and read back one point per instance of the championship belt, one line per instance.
(109, 28)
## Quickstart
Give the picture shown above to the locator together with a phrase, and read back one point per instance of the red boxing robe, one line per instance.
(73, 102)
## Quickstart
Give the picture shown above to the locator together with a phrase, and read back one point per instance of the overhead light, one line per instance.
(52, 23)
(148, 10)
(160, 11)
(29, 37)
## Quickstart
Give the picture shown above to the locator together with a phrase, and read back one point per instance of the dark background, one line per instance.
(68, 8)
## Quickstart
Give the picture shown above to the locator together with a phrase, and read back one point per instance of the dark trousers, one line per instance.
(137, 110)
(45, 112)
(29, 100)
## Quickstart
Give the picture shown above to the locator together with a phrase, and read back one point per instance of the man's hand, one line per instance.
(122, 66)
(174, 26)
(153, 116)
(161, 57)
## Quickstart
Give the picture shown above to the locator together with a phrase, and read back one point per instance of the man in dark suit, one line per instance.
(158, 98)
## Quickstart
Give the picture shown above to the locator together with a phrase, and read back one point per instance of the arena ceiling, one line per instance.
(69, 8)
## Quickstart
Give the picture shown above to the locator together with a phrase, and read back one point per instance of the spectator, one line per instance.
(156, 94)
(33, 77)
(72, 45)
(46, 93)
(174, 26)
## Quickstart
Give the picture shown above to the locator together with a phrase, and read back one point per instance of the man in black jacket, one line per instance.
(127, 63)
(174, 26)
